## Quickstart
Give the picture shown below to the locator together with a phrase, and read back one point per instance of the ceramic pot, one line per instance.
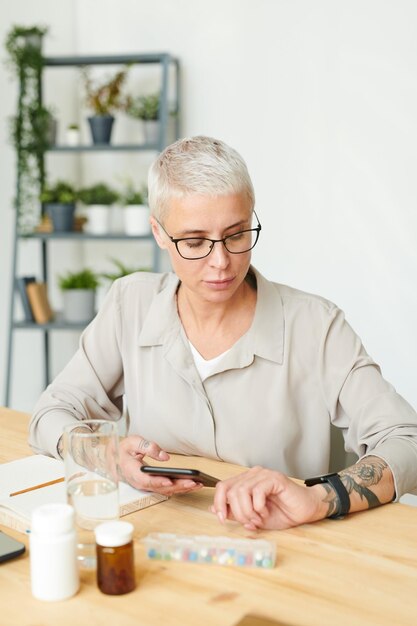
(151, 131)
(136, 219)
(72, 137)
(101, 127)
(98, 219)
(62, 216)
(78, 305)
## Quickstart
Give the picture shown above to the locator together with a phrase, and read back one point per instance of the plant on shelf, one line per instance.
(104, 98)
(143, 107)
(79, 295)
(27, 129)
(146, 108)
(122, 270)
(59, 193)
(85, 279)
(131, 195)
(98, 198)
(44, 127)
(59, 203)
(72, 135)
(136, 211)
(99, 193)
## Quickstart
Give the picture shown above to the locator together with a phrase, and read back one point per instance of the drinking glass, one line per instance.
(91, 456)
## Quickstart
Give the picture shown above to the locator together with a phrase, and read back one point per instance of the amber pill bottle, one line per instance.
(115, 564)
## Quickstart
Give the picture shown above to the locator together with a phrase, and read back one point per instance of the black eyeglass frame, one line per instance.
(214, 241)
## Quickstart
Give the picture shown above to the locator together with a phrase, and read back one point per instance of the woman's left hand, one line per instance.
(265, 499)
(132, 451)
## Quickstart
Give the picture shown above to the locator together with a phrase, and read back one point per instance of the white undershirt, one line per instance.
(205, 368)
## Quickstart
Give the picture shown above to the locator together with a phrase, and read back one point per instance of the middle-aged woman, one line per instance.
(215, 360)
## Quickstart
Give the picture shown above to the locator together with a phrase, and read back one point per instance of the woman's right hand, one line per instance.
(132, 450)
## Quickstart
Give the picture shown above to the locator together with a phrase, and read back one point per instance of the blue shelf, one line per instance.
(128, 147)
(78, 236)
(112, 59)
(56, 324)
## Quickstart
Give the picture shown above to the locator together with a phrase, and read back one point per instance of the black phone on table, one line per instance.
(181, 472)
(9, 547)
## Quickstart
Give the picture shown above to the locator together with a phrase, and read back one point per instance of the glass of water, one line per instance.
(91, 455)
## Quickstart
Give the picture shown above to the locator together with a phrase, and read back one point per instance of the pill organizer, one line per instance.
(216, 550)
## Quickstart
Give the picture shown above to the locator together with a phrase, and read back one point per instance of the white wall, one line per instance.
(320, 98)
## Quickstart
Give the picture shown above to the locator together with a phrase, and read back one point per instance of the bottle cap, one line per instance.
(113, 534)
(53, 519)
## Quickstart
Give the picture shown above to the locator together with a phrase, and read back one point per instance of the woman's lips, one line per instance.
(220, 284)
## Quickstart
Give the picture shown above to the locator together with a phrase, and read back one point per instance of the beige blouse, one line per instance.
(269, 402)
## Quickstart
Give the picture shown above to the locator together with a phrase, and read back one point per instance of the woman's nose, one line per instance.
(219, 256)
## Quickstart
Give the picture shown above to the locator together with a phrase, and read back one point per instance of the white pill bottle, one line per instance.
(53, 553)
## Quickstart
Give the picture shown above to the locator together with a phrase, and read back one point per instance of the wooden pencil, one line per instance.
(51, 482)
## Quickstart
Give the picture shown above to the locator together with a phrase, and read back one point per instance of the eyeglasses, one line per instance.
(193, 248)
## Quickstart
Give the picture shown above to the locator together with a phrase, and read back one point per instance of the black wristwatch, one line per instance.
(335, 481)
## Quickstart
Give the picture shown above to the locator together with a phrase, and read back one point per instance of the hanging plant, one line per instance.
(30, 126)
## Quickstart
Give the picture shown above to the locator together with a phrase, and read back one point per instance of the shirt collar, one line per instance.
(158, 328)
(265, 337)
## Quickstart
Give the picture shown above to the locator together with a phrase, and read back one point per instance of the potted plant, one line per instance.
(59, 203)
(72, 135)
(79, 295)
(104, 98)
(146, 108)
(24, 48)
(98, 199)
(122, 270)
(135, 211)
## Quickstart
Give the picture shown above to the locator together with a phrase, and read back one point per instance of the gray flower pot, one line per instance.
(78, 305)
(62, 216)
(101, 127)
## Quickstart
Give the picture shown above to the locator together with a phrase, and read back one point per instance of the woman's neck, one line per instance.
(213, 328)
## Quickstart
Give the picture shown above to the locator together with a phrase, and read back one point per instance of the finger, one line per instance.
(241, 507)
(220, 501)
(138, 446)
(139, 480)
(177, 490)
(259, 499)
(233, 497)
(160, 484)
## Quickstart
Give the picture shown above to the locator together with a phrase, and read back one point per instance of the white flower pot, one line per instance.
(151, 131)
(98, 216)
(78, 305)
(72, 137)
(136, 219)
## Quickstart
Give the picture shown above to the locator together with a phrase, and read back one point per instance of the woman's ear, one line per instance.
(156, 231)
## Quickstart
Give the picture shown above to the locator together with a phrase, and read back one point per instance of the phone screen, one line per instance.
(181, 472)
(9, 547)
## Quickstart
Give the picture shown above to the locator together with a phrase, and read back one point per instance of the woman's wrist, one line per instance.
(327, 501)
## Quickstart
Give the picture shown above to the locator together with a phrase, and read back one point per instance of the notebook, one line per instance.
(16, 511)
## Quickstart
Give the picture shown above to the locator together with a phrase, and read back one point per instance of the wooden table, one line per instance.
(357, 571)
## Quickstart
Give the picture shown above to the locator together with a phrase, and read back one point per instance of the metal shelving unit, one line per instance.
(165, 61)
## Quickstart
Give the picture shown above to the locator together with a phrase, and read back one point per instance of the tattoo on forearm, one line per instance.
(360, 477)
(369, 470)
(331, 499)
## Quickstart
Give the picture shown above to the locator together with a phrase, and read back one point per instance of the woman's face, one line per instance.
(217, 277)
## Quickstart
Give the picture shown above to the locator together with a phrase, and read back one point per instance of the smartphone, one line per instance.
(9, 547)
(181, 472)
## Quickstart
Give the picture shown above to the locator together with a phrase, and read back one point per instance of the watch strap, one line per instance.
(336, 482)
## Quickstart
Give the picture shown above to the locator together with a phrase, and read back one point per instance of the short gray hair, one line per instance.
(196, 165)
